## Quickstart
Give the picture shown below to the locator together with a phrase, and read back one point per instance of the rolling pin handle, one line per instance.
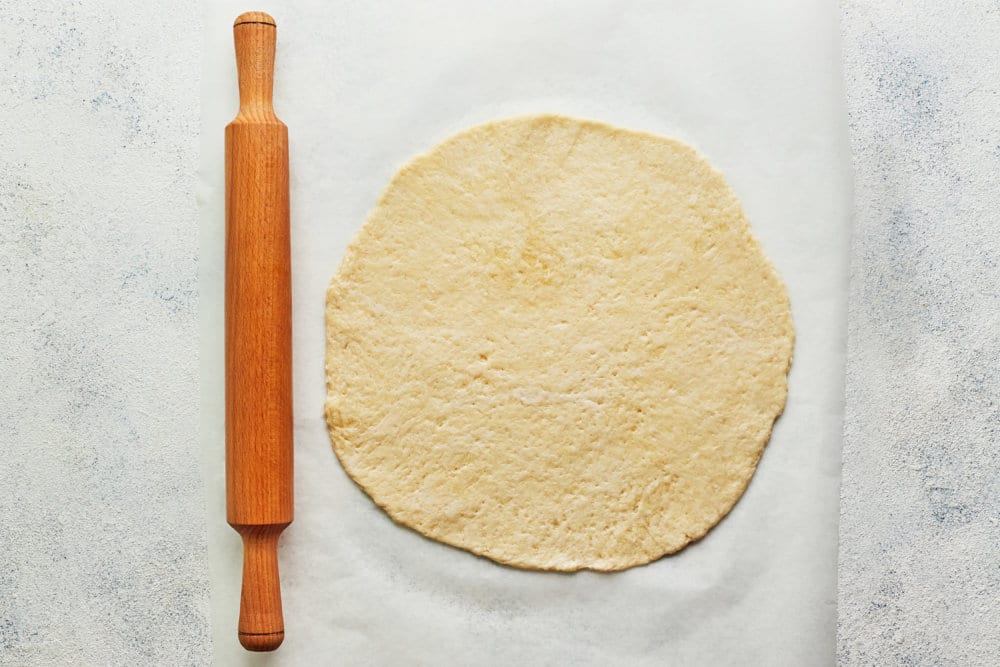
(255, 34)
(261, 626)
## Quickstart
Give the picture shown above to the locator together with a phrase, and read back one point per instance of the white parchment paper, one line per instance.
(363, 86)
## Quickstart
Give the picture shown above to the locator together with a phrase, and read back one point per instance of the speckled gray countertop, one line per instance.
(920, 496)
(102, 517)
(102, 521)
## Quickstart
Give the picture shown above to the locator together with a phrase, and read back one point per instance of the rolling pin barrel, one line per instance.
(259, 424)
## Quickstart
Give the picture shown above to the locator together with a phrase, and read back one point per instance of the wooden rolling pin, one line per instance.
(258, 333)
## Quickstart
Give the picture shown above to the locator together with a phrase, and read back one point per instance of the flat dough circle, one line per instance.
(557, 344)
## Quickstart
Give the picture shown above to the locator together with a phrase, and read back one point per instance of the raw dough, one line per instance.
(557, 344)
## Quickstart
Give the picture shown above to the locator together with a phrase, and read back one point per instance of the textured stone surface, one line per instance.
(100, 529)
(919, 536)
(102, 533)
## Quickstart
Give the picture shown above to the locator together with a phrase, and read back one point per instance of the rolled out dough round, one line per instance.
(557, 344)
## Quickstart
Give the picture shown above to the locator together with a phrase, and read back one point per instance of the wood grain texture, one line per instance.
(259, 424)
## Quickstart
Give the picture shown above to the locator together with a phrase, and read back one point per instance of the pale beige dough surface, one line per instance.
(557, 344)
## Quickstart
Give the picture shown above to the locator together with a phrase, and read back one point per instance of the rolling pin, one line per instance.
(258, 333)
